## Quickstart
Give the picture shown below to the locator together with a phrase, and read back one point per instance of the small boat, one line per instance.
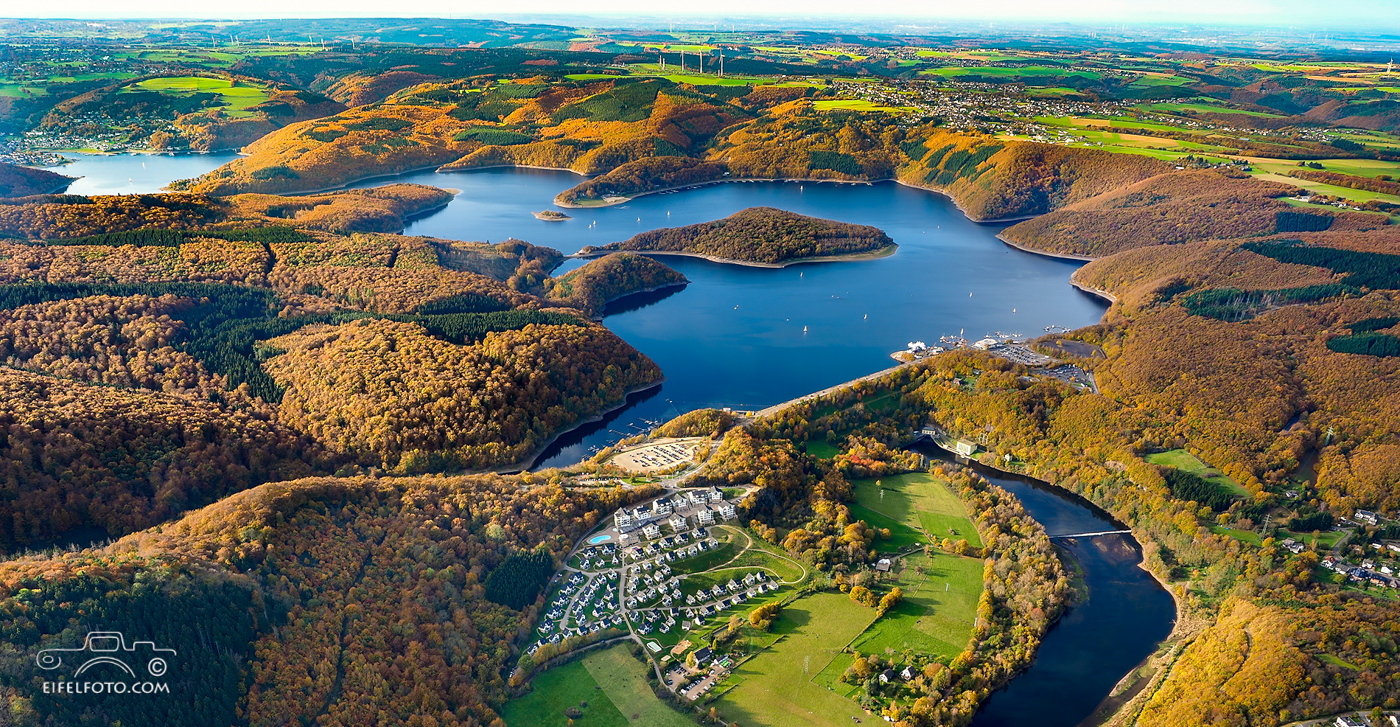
(804, 329)
(969, 295)
(867, 317)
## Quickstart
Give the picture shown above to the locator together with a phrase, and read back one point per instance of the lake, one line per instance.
(748, 337)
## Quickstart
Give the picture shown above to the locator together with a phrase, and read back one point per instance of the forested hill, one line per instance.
(591, 287)
(343, 602)
(761, 235)
(17, 181)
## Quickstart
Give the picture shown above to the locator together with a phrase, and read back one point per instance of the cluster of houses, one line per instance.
(582, 605)
(706, 506)
(615, 583)
(1368, 572)
(707, 602)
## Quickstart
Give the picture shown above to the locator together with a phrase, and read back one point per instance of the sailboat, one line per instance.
(804, 329)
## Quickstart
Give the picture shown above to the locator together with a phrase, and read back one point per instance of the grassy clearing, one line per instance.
(777, 687)
(938, 611)
(1244, 536)
(623, 679)
(559, 689)
(236, 99)
(1358, 195)
(920, 501)
(845, 104)
(822, 450)
(1187, 462)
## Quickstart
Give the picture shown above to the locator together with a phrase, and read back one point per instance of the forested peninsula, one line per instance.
(759, 236)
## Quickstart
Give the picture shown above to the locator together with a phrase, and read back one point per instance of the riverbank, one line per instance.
(885, 251)
(1125, 700)
(1046, 253)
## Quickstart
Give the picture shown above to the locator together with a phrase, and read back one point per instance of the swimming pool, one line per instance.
(596, 539)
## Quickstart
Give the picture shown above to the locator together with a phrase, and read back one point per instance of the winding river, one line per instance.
(749, 337)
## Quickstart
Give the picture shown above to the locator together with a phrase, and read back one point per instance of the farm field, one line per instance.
(612, 684)
(1187, 462)
(558, 689)
(937, 613)
(236, 98)
(920, 501)
(777, 686)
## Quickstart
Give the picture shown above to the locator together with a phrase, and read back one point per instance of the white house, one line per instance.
(728, 511)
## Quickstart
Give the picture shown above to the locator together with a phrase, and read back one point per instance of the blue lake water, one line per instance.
(135, 173)
(748, 337)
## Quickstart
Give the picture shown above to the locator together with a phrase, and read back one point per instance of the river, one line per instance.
(749, 337)
(1125, 616)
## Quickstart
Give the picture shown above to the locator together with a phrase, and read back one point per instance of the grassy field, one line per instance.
(1244, 536)
(623, 679)
(920, 501)
(558, 689)
(777, 688)
(822, 450)
(845, 104)
(1187, 462)
(611, 683)
(939, 607)
(236, 98)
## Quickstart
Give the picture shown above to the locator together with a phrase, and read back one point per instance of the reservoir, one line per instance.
(747, 337)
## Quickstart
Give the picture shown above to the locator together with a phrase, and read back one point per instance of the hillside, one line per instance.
(347, 601)
(1173, 208)
(382, 209)
(592, 286)
(17, 181)
(392, 394)
(759, 235)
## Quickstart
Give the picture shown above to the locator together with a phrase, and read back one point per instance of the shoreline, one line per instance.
(337, 188)
(697, 185)
(1133, 687)
(528, 462)
(1104, 294)
(1047, 253)
(883, 252)
(601, 315)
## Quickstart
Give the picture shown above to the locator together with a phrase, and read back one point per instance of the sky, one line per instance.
(1375, 15)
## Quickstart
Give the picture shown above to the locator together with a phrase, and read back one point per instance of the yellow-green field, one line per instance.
(938, 610)
(855, 105)
(777, 686)
(609, 687)
(918, 501)
(236, 97)
(1187, 462)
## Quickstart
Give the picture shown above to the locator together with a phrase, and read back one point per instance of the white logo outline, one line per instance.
(104, 644)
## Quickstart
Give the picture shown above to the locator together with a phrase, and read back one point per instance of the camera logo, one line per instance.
(110, 647)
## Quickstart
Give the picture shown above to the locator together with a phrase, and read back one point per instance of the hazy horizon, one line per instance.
(1297, 15)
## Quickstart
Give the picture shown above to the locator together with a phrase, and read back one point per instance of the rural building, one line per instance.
(965, 448)
(882, 565)
(1366, 516)
(887, 676)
